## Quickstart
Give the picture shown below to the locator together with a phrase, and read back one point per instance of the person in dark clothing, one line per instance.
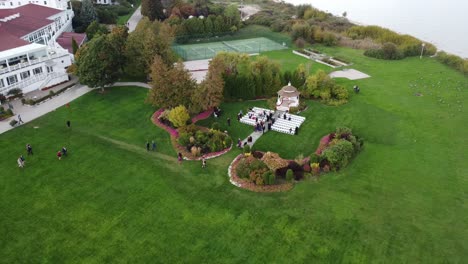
(68, 124)
(229, 121)
(147, 146)
(179, 157)
(64, 151)
(29, 149)
(284, 116)
(296, 131)
(289, 118)
(153, 145)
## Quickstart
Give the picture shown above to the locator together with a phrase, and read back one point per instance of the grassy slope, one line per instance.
(403, 199)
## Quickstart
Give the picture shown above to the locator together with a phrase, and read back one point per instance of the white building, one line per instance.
(30, 57)
(58, 4)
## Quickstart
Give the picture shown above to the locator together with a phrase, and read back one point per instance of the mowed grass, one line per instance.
(402, 200)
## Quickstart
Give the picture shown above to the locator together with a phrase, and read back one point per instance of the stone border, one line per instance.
(244, 184)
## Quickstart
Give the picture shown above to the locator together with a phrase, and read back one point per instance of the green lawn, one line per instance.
(402, 200)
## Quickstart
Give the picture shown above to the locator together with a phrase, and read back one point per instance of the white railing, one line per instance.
(43, 77)
(32, 62)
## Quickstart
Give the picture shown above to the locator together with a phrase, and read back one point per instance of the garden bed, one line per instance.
(246, 184)
(176, 134)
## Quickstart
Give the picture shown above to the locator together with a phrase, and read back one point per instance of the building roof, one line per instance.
(30, 18)
(10, 41)
(289, 91)
(65, 40)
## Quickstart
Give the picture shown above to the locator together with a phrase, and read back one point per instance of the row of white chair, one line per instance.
(283, 130)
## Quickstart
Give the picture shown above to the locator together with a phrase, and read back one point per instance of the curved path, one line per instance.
(29, 113)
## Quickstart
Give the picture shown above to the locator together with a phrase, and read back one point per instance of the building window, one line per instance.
(45, 2)
(25, 75)
(19, 3)
(37, 70)
(50, 69)
(11, 3)
(2, 84)
(12, 79)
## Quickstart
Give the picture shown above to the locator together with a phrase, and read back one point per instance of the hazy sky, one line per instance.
(443, 23)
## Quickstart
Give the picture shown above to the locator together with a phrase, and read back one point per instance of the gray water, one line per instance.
(442, 23)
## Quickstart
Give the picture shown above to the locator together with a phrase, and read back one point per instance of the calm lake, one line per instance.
(443, 23)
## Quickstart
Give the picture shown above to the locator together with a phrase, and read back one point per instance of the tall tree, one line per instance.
(97, 63)
(118, 40)
(148, 39)
(88, 13)
(74, 46)
(170, 85)
(95, 29)
(153, 9)
(210, 92)
(232, 15)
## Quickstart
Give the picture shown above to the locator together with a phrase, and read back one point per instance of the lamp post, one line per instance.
(422, 49)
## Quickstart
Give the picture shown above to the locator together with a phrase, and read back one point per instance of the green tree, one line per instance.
(118, 39)
(74, 46)
(179, 116)
(88, 13)
(208, 26)
(153, 9)
(171, 85)
(97, 63)
(232, 15)
(219, 25)
(95, 29)
(148, 39)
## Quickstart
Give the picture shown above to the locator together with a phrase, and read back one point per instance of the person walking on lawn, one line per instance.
(229, 121)
(203, 162)
(59, 155)
(29, 149)
(147, 146)
(153, 146)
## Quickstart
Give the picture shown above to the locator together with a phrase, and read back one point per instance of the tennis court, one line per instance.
(209, 50)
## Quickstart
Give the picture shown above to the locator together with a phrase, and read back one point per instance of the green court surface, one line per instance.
(209, 50)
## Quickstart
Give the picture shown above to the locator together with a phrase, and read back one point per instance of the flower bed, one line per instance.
(336, 150)
(175, 135)
(246, 184)
(155, 118)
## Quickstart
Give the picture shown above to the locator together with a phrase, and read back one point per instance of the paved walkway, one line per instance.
(29, 113)
(134, 19)
(255, 135)
(350, 74)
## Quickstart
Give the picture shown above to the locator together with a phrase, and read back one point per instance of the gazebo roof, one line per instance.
(289, 91)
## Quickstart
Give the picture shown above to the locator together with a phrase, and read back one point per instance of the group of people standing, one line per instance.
(22, 161)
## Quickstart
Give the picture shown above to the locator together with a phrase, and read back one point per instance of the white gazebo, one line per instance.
(288, 97)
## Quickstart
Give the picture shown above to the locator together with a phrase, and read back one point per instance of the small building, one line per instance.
(288, 97)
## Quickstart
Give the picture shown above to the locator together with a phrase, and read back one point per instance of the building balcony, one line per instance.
(31, 62)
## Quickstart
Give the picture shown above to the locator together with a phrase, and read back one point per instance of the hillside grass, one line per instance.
(403, 199)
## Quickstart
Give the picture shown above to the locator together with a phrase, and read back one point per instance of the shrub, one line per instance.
(189, 129)
(13, 122)
(272, 102)
(9, 112)
(14, 91)
(179, 116)
(300, 43)
(289, 175)
(195, 151)
(242, 169)
(246, 149)
(315, 168)
(215, 126)
(184, 139)
(339, 154)
(320, 85)
(389, 51)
